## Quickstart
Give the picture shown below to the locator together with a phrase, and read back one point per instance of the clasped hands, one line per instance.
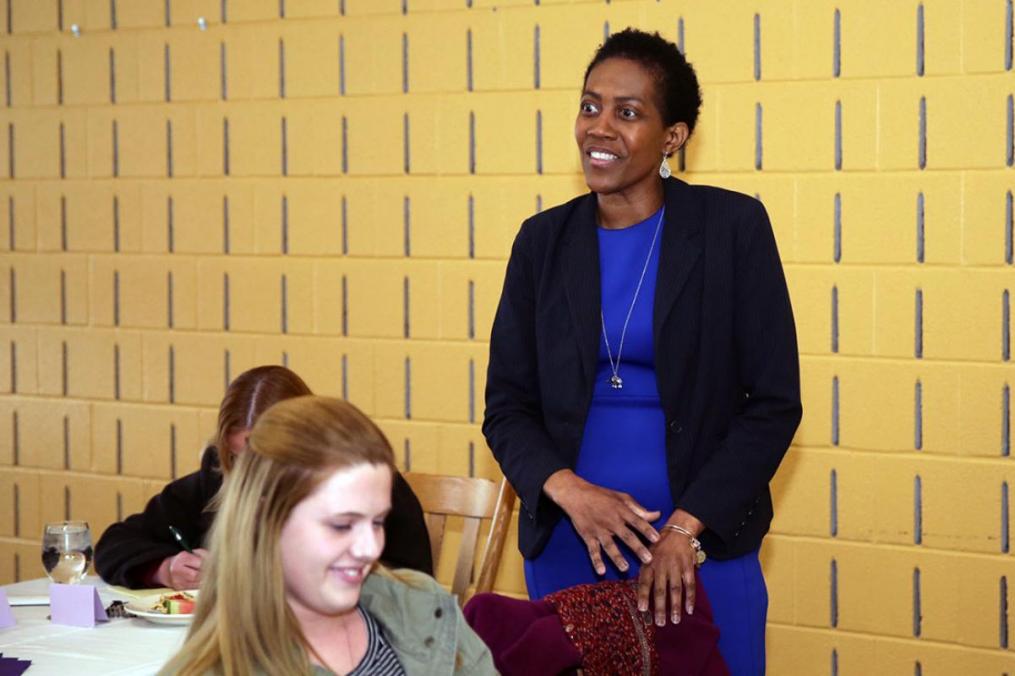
(601, 516)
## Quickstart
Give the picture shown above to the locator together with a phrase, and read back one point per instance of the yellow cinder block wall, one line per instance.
(193, 187)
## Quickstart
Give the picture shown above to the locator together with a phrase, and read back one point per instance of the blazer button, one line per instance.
(428, 642)
(438, 613)
(675, 427)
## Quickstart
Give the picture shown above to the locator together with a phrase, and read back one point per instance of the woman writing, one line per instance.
(643, 383)
(292, 586)
(142, 551)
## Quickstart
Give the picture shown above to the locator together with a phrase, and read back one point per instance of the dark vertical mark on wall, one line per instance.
(1005, 325)
(59, 77)
(345, 145)
(63, 222)
(13, 291)
(284, 235)
(64, 368)
(536, 58)
(16, 439)
(405, 63)
(468, 61)
(345, 377)
(680, 35)
(223, 67)
(113, 23)
(1009, 229)
(1009, 34)
(1002, 621)
(281, 9)
(918, 416)
(758, 147)
(63, 151)
(172, 374)
(66, 503)
(10, 150)
(14, 367)
(1005, 510)
(170, 233)
(472, 226)
(838, 135)
(757, 46)
(227, 367)
(59, 15)
(407, 454)
(7, 78)
(918, 329)
(919, 40)
(116, 297)
(833, 503)
(837, 228)
(345, 305)
(116, 372)
(1010, 132)
(920, 227)
(472, 459)
(116, 149)
(917, 610)
(285, 303)
(837, 43)
(606, 30)
(406, 155)
(471, 330)
(835, 410)
(345, 226)
(225, 224)
(406, 226)
(472, 143)
(285, 146)
(169, 299)
(172, 452)
(116, 223)
(17, 512)
(66, 442)
(225, 301)
(281, 68)
(167, 68)
(406, 323)
(169, 148)
(12, 224)
(63, 297)
(472, 390)
(112, 75)
(225, 146)
(835, 319)
(119, 446)
(1006, 421)
(833, 586)
(408, 388)
(922, 150)
(917, 510)
(119, 506)
(539, 142)
(341, 65)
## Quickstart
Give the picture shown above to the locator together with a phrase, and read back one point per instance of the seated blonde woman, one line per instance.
(292, 584)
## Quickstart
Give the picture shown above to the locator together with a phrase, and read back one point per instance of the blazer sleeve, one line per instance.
(407, 542)
(129, 548)
(726, 489)
(513, 422)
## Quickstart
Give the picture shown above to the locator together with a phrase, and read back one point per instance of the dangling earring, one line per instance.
(664, 168)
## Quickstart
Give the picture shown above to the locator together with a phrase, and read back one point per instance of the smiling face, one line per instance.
(332, 539)
(620, 129)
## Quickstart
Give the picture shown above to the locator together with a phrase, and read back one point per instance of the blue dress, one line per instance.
(624, 448)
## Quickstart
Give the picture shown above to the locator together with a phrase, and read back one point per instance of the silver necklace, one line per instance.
(616, 382)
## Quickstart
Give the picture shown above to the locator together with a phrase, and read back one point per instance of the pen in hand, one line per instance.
(178, 536)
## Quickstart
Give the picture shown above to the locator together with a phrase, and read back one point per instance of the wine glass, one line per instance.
(66, 551)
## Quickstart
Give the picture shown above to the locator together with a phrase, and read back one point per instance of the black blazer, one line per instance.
(726, 360)
(129, 549)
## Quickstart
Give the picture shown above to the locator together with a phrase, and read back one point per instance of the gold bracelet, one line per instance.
(699, 553)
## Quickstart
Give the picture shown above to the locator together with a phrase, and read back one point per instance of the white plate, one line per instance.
(142, 608)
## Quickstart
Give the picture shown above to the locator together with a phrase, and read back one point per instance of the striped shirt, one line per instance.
(380, 658)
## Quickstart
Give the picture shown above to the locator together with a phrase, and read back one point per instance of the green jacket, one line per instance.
(424, 626)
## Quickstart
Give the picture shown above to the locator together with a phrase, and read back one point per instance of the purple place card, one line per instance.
(12, 666)
(6, 616)
(78, 605)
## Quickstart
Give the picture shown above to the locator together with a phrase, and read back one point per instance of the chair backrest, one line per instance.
(474, 500)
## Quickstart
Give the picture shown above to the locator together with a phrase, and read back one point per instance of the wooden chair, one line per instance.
(473, 500)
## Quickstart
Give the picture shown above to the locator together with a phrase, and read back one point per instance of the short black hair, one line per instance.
(679, 95)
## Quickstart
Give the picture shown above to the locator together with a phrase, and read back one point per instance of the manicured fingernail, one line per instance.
(690, 610)
(646, 557)
(660, 621)
(676, 618)
(622, 567)
(654, 537)
(642, 606)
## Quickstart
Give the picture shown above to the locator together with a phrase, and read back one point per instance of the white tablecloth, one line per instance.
(120, 646)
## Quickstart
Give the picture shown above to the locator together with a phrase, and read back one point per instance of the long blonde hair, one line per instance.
(243, 624)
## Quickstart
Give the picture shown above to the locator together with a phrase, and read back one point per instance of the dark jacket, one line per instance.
(129, 550)
(726, 360)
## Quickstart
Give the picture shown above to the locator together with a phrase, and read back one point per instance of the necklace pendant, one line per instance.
(616, 383)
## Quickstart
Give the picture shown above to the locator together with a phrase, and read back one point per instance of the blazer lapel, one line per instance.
(681, 246)
(580, 264)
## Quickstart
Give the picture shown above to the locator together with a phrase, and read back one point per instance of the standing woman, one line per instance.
(643, 383)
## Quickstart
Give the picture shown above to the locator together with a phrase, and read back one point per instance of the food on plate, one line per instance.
(179, 603)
